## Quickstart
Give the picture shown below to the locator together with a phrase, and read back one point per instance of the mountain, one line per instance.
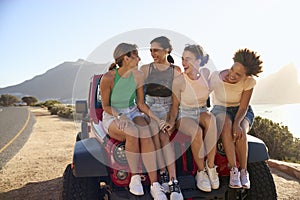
(70, 80)
(281, 87)
(63, 82)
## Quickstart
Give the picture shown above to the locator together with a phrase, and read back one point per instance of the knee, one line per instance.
(131, 131)
(199, 134)
(164, 138)
(227, 130)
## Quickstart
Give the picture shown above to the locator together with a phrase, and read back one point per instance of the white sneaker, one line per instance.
(175, 190)
(203, 182)
(245, 179)
(213, 177)
(135, 185)
(156, 191)
(235, 181)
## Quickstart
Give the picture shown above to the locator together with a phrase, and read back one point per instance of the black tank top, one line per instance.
(159, 83)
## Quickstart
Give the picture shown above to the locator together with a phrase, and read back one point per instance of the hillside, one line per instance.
(58, 82)
(281, 87)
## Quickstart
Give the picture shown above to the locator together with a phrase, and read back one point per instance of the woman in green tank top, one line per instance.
(122, 95)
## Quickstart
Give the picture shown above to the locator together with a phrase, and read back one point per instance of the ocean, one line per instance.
(285, 114)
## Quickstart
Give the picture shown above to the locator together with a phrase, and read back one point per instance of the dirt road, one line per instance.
(36, 171)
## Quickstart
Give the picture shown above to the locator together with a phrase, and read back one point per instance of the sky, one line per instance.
(36, 35)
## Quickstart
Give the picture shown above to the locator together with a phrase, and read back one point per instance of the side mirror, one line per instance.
(81, 107)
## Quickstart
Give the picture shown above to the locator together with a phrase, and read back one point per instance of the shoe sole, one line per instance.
(137, 194)
(215, 188)
(245, 187)
(235, 186)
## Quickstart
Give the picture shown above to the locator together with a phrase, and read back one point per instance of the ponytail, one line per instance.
(112, 66)
(170, 59)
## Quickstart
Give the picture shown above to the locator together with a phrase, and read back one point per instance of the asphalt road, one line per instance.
(15, 127)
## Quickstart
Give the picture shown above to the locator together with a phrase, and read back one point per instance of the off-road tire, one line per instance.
(262, 182)
(80, 188)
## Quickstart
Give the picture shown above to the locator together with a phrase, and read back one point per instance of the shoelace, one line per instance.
(215, 173)
(164, 177)
(174, 187)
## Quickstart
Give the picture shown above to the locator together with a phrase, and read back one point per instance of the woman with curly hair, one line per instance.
(232, 91)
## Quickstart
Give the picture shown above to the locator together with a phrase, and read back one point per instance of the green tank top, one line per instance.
(123, 94)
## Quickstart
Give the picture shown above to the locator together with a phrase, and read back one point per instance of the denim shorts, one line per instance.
(231, 112)
(192, 113)
(130, 112)
(160, 106)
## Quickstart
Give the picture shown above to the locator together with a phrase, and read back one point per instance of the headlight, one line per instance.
(119, 154)
(122, 175)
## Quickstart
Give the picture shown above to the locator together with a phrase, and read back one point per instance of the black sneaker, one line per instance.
(164, 179)
(175, 190)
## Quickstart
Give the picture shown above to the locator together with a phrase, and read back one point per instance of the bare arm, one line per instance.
(241, 113)
(176, 98)
(106, 86)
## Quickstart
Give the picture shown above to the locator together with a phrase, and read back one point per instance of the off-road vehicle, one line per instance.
(100, 170)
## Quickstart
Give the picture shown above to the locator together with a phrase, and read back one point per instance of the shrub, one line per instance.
(280, 142)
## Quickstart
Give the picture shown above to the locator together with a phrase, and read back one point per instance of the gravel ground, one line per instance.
(35, 172)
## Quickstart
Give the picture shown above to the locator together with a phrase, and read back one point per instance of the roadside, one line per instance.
(36, 171)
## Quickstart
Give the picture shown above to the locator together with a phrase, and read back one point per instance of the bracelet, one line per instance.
(119, 115)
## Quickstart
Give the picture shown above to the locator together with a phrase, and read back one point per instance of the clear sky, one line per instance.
(36, 35)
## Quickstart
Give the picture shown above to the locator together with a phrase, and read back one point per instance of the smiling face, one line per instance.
(158, 54)
(236, 73)
(190, 62)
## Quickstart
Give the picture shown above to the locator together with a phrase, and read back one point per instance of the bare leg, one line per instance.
(169, 154)
(147, 148)
(208, 121)
(157, 143)
(132, 147)
(224, 125)
(242, 146)
(190, 127)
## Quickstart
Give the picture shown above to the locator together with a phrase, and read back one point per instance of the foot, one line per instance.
(235, 181)
(203, 182)
(175, 190)
(164, 179)
(213, 177)
(135, 185)
(245, 181)
(157, 192)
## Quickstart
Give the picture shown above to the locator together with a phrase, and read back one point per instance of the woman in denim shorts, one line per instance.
(232, 91)
(122, 95)
(159, 77)
(190, 94)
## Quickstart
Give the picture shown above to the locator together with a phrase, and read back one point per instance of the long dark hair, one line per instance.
(123, 49)
(165, 43)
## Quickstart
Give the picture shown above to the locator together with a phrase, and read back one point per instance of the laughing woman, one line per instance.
(123, 99)
(232, 91)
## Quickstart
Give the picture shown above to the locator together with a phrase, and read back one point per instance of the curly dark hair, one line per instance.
(249, 60)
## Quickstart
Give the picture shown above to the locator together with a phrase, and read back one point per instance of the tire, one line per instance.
(80, 188)
(78, 137)
(262, 183)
